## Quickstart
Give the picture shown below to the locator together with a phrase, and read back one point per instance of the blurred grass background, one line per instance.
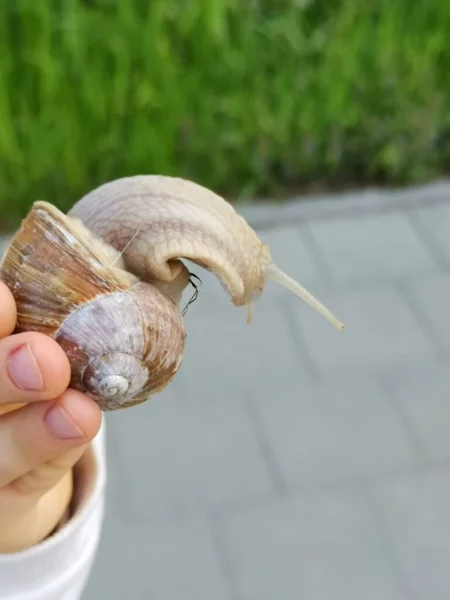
(247, 97)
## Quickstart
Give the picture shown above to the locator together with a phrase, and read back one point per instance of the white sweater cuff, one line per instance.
(58, 568)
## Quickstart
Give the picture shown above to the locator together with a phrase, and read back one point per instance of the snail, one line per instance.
(106, 279)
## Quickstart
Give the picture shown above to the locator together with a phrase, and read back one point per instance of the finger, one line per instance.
(32, 367)
(5, 408)
(47, 476)
(44, 432)
(8, 311)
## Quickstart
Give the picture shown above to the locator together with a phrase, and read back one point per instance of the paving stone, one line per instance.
(433, 294)
(186, 451)
(321, 548)
(367, 201)
(422, 393)
(435, 220)
(166, 563)
(416, 517)
(380, 331)
(221, 345)
(372, 247)
(333, 431)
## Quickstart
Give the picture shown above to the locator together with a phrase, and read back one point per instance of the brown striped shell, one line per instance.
(123, 337)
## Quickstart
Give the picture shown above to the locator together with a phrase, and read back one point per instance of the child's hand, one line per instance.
(39, 441)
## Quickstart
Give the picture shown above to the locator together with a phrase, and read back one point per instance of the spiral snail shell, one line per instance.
(106, 280)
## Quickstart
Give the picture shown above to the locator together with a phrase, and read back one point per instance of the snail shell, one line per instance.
(123, 337)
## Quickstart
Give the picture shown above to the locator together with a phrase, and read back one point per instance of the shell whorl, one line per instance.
(109, 386)
(136, 350)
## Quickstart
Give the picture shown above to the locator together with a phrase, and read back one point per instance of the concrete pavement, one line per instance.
(289, 460)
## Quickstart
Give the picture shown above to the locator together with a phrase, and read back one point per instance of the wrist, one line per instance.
(60, 565)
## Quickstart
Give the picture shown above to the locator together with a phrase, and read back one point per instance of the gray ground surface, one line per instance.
(289, 460)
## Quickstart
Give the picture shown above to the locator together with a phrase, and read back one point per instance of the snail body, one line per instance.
(106, 280)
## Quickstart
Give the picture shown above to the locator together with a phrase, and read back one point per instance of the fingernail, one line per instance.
(60, 423)
(23, 369)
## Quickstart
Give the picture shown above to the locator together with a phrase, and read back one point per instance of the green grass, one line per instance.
(245, 97)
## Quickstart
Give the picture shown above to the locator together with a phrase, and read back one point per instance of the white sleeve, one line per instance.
(59, 567)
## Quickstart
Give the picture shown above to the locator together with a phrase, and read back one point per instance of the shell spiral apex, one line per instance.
(105, 281)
